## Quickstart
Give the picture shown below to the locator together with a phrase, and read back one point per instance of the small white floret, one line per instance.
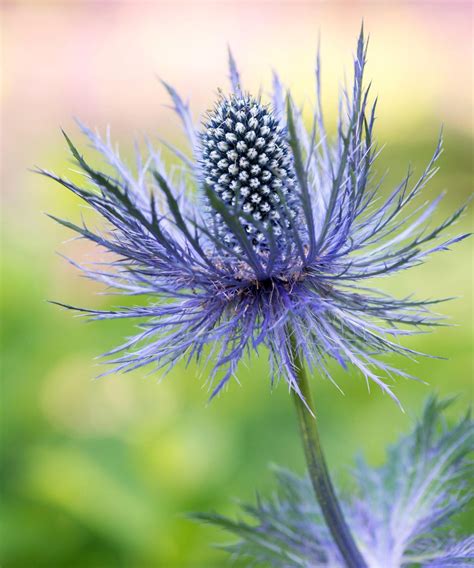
(250, 136)
(253, 123)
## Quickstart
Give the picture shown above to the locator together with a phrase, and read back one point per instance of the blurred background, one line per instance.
(100, 473)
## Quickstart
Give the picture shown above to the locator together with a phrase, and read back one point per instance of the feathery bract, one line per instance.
(276, 238)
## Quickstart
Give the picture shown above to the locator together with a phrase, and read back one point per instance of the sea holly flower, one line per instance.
(271, 246)
(401, 513)
(282, 231)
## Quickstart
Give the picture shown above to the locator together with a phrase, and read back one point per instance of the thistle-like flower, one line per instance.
(273, 244)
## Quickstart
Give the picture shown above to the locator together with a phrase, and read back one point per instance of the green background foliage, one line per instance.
(100, 473)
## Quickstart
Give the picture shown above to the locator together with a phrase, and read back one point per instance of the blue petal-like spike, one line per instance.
(234, 75)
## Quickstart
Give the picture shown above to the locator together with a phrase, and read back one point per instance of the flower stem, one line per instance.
(318, 470)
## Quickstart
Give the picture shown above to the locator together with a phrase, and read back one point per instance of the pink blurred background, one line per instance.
(99, 60)
(97, 474)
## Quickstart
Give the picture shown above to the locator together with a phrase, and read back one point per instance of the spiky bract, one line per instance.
(262, 250)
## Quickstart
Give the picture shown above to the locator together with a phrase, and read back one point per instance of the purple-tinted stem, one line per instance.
(318, 470)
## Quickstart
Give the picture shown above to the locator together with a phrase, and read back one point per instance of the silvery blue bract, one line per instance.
(266, 228)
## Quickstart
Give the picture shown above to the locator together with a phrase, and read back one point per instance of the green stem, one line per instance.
(318, 470)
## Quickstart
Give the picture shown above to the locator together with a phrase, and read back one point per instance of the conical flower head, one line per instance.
(246, 162)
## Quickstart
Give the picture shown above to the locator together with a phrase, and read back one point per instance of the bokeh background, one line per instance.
(100, 473)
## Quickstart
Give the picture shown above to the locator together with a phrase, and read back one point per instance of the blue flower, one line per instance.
(264, 237)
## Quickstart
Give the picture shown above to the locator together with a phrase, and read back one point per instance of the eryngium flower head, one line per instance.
(247, 163)
(272, 247)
